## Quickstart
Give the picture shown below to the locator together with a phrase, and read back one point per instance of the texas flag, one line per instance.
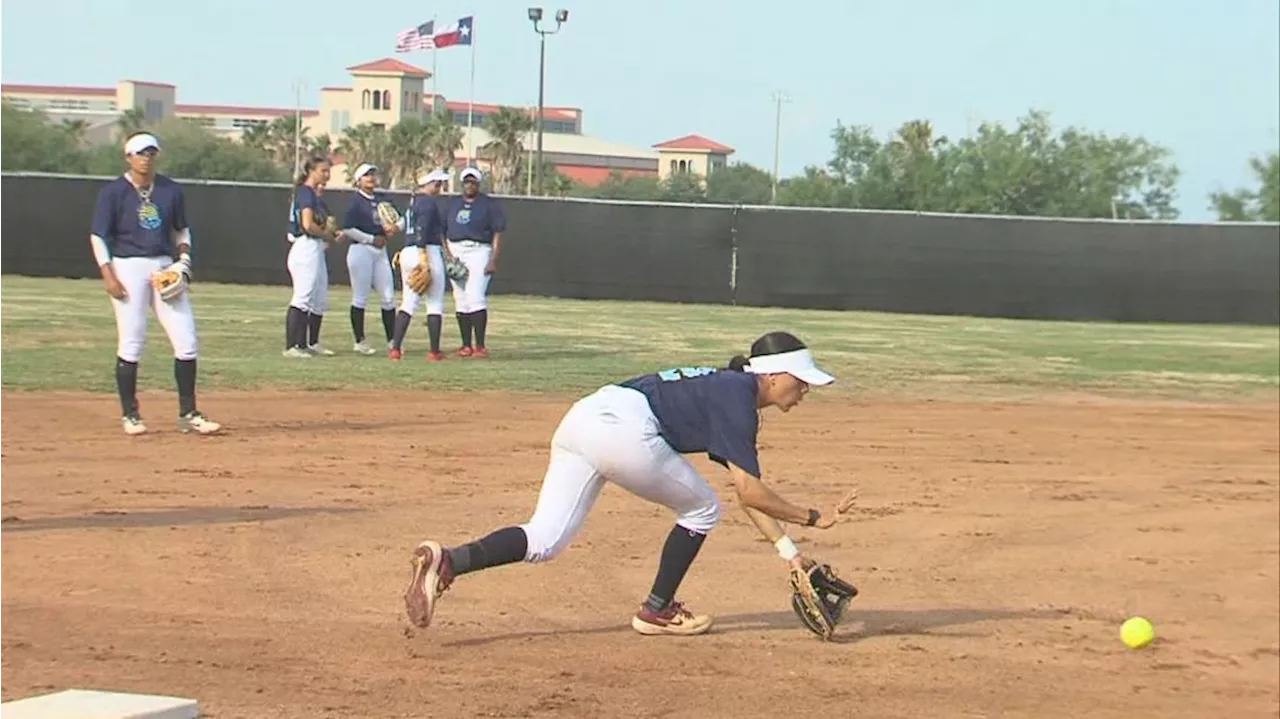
(458, 33)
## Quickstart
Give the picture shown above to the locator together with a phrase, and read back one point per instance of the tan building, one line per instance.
(381, 92)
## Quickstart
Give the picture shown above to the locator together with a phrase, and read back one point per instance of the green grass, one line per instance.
(60, 335)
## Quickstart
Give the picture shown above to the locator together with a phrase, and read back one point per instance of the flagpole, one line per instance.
(433, 68)
(471, 101)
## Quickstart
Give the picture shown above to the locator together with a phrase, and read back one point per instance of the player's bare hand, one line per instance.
(827, 520)
(379, 241)
(802, 563)
(114, 287)
(491, 268)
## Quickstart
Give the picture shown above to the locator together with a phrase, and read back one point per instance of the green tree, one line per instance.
(446, 139)
(505, 152)
(1257, 205)
(132, 120)
(740, 183)
(409, 147)
(192, 152)
(362, 143)
(30, 142)
(618, 186)
(682, 187)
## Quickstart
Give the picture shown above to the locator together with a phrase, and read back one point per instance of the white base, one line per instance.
(86, 704)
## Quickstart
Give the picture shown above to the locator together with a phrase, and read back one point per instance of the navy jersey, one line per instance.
(134, 226)
(362, 214)
(701, 409)
(306, 197)
(474, 219)
(424, 222)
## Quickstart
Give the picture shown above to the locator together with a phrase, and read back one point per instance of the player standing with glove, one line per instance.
(371, 218)
(139, 228)
(422, 265)
(474, 234)
(633, 434)
(311, 229)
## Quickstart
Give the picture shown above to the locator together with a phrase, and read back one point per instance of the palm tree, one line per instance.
(409, 147)
(131, 121)
(365, 143)
(446, 138)
(75, 130)
(508, 127)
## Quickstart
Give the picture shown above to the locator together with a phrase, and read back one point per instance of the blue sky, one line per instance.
(1200, 77)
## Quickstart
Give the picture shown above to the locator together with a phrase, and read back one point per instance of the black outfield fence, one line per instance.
(763, 256)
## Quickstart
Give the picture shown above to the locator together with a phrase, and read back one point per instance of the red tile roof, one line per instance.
(553, 113)
(240, 110)
(389, 64)
(592, 176)
(696, 143)
(57, 89)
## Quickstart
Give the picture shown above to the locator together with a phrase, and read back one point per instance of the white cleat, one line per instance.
(364, 348)
(317, 349)
(133, 425)
(197, 422)
(297, 353)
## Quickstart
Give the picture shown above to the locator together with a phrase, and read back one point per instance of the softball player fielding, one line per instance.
(475, 223)
(367, 259)
(139, 228)
(309, 237)
(424, 226)
(633, 434)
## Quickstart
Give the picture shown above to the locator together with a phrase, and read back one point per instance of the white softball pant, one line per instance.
(612, 436)
(410, 257)
(310, 273)
(475, 255)
(176, 316)
(370, 268)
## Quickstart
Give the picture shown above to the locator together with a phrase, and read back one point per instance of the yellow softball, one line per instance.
(1137, 632)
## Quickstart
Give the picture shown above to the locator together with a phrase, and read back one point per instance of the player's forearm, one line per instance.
(757, 495)
(497, 246)
(767, 525)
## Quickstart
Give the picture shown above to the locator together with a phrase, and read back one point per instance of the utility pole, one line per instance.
(535, 16)
(297, 127)
(779, 97)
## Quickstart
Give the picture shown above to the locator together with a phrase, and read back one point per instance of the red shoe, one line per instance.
(435, 356)
(465, 352)
(482, 352)
(675, 619)
(395, 354)
(432, 576)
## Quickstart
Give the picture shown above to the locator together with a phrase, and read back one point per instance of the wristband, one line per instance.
(813, 518)
(787, 549)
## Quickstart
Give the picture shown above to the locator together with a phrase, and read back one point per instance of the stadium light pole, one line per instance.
(779, 97)
(535, 16)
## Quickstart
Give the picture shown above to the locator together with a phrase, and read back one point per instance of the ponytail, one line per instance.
(307, 168)
(738, 364)
(301, 178)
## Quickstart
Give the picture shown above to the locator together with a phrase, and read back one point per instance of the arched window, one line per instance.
(377, 100)
(386, 99)
(364, 100)
(673, 167)
(406, 102)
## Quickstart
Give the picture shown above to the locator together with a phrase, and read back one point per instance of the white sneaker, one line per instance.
(317, 349)
(197, 422)
(364, 349)
(133, 424)
(297, 353)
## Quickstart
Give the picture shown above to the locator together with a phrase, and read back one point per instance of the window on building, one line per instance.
(153, 110)
(364, 100)
(335, 121)
(346, 119)
(386, 99)
(377, 100)
(405, 106)
(684, 166)
(673, 167)
(244, 123)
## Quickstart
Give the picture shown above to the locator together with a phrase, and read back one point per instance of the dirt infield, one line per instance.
(997, 547)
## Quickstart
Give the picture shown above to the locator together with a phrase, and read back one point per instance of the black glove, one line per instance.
(819, 598)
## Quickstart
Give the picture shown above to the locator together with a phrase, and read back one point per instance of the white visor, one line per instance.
(797, 363)
(140, 142)
(433, 176)
(365, 169)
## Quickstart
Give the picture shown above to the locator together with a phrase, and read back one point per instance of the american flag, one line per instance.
(416, 38)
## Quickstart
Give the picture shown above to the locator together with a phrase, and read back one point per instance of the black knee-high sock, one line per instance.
(184, 371)
(434, 324)
(313, 328)
(464, 326)
(505, 546)
(127, 385)
(677, 554)
(357, 323)
(403, 320)
(480, 321)
(389, 324)
(295, 328)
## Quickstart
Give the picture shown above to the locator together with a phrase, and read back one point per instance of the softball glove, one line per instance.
(419, 277)
(456, 271)
(388, 214)
(170, 282)
(819, 598)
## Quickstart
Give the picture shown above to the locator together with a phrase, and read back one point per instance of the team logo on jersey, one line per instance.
(464, 216)
(149, 215)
